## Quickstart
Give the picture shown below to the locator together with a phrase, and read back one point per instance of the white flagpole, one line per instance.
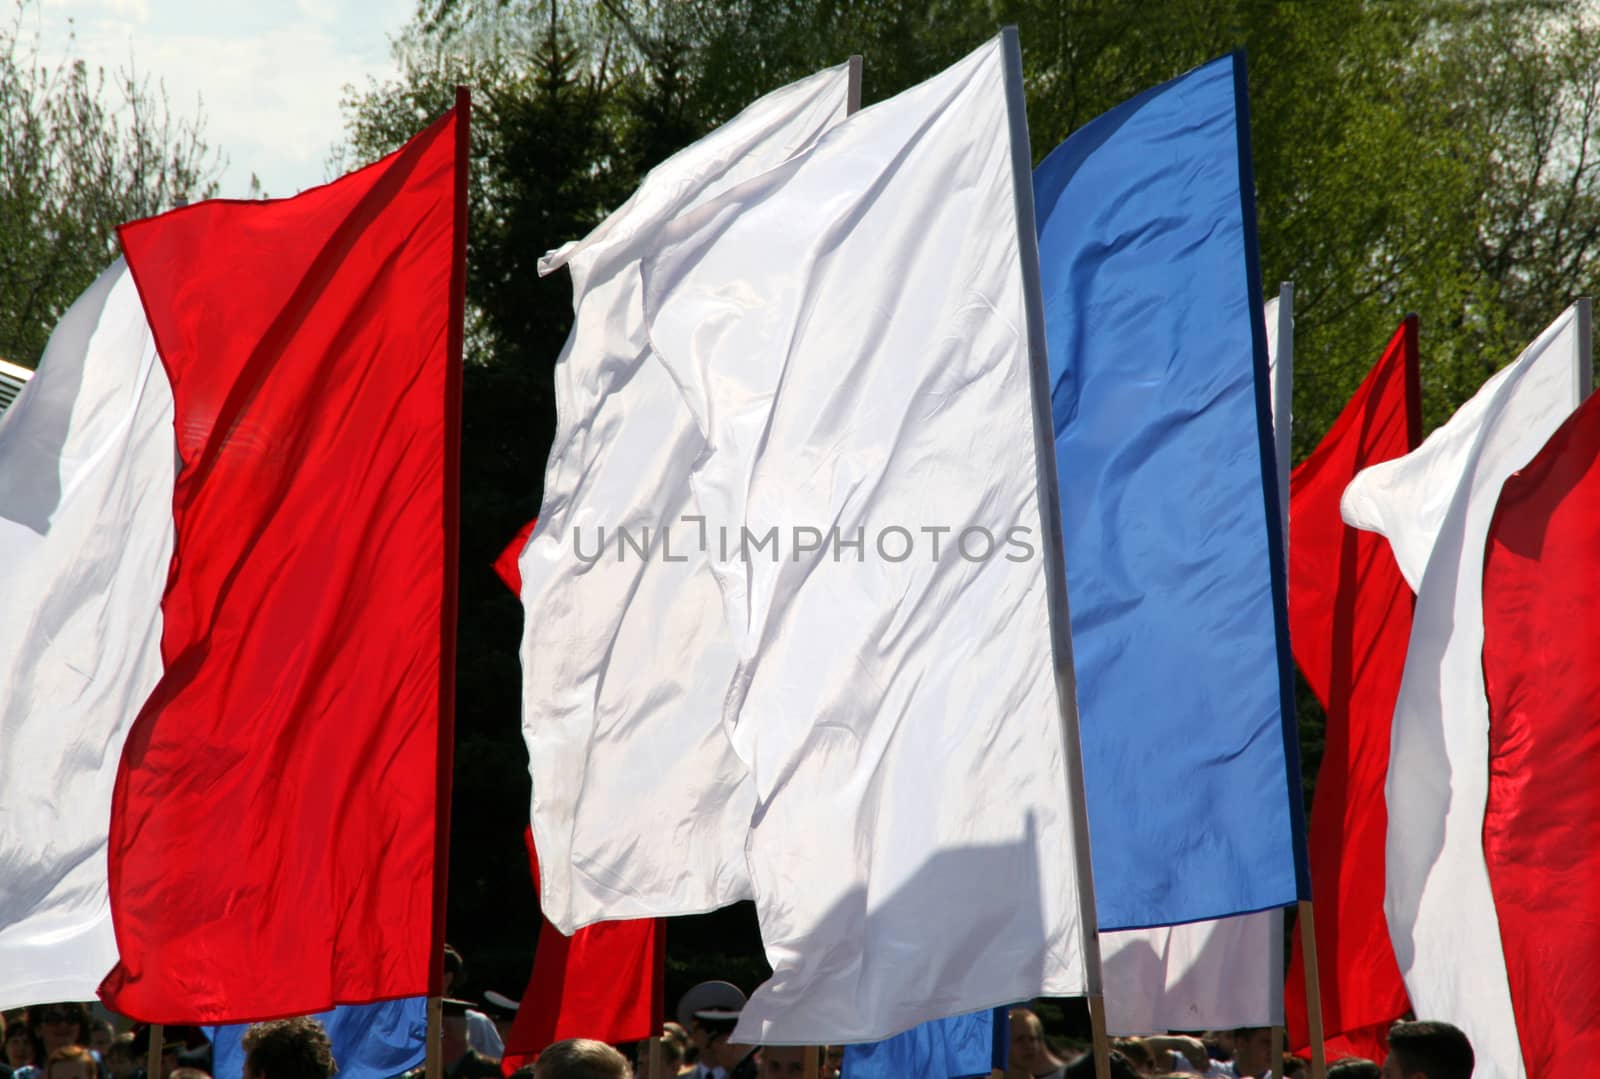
(1050, 520)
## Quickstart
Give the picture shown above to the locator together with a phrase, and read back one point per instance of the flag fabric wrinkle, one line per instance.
(86, 477)
(1169, 513)
(1350, 620)
(619, 646)
(273, 822)
(1434, 507)
(867, 371)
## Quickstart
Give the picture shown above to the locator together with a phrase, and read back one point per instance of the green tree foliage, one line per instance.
(1434, 156)
(81, 152)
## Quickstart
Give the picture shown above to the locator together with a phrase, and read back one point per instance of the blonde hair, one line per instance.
(581, 1058)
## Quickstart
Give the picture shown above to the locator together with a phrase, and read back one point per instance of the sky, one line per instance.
(269, 73)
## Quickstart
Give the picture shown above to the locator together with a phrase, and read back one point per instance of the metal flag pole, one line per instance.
(1055, 569)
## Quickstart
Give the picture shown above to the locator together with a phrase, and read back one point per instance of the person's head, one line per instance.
(60, 1025)
(188, 1073)
(717, 1048)
(1428, 1049)
(455, 969)
(783, 1062)
(120, 1058)
(1029, 1054)
(1140, 1055)
(21, 1047)
(581, 1058)
(671, 1058)
(288, 1049)
(72, 1062)
(1354, 1068)
(832, 1061)
(1252, 1051)
(100, 1035)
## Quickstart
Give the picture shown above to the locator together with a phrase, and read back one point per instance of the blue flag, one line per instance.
(955, 1048)
(1169, 506)
(370, 1041)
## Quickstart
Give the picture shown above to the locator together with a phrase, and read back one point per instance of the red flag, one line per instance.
(1349, 623)
(1541, 668)
(275, 819)
(505, 567)
(603, 982)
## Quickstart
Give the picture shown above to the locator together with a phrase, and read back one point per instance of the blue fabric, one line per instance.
(370, 1041)
(956, 1048)
(1169, 506)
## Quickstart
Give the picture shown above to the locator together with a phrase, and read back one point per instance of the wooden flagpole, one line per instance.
(1055, 569)
(1308, 951)
(434, 1063)
(153, 1054)
(1277, 1051)
(810, 1064)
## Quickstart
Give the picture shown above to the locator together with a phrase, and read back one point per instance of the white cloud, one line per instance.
(270, 76)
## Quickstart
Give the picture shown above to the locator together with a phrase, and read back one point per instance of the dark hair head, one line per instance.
(1437, 1050)
(288, 1049)
(1354, 1068)
(70, 1011)
(453, 963)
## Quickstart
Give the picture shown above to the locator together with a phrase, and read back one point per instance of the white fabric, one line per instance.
(849, 331)
(1213, 975)
(625, 661)
(1221, 973)
(1434, 506)
(87, 465)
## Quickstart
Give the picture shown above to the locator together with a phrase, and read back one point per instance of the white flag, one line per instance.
(1221, 973)
(850, 333)
(640, 806)
(86, 476)
(1434, 506)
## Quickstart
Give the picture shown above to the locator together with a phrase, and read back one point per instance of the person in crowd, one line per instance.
(1083, 1067)
(461, 1059)
(1252, 1053)
(832, 1061)
(1428, 1050)
(783, 1062)
(481, 1032)
(72, 1062)
(679, 1038)
(187, 1072)
(502, 1012)
(581, 1058)
(709, 1012)
(288, 1049)
(671, 1059)
(60, 1025)
(527, 1071)
(119, 1058)
(100, 1034)
(1354, 1068)
(1293, 1067)
(1140, 1054)
(1030, 1056)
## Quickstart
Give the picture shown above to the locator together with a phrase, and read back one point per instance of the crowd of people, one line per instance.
(69, 1041)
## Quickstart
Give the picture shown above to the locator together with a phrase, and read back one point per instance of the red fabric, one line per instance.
(603, 982)
(1349, 624)
(506, 565)
(273, 823)
(1367, 1043)
(1541, 668)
